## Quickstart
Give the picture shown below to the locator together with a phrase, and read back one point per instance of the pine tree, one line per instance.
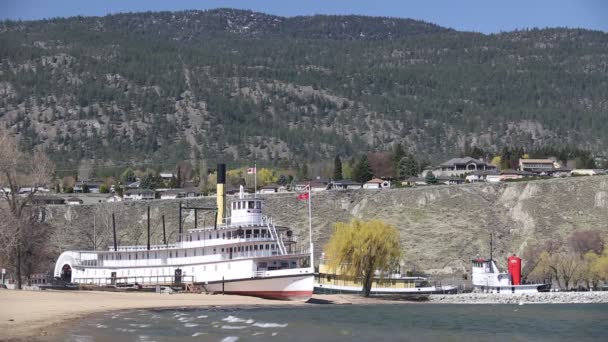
(363, 171)
(408, 167)
(398, 154)
(337, 168)
(430, 178)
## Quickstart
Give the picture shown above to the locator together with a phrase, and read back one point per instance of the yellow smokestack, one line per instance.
(221, 195)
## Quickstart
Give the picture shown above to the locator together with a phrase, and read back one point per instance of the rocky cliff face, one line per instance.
(442, 227)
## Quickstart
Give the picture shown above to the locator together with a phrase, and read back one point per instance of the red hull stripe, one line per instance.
(283, 295)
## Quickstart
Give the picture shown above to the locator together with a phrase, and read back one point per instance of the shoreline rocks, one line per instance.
(528, 298)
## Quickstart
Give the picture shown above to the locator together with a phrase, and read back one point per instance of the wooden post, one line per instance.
(180, 222)
(148, 227)
(114, 229)
(164, 232)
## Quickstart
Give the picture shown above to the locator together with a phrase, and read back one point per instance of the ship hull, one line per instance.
(510, 289)
(296, 287)
(337, 289)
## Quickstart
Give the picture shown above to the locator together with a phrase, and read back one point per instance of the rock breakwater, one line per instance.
(531, 298)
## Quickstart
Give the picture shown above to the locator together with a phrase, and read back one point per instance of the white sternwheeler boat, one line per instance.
(244, 253)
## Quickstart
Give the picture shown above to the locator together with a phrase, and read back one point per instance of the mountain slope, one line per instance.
(238, 85)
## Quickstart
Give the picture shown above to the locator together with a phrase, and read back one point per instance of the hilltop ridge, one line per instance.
(233, 85)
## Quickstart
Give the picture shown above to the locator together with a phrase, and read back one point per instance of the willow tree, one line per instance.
(360, 248)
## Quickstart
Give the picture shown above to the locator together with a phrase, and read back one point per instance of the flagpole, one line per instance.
(310, 227)
(255, 180)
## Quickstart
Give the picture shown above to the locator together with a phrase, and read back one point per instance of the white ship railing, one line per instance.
(89, 259)
(142, 280)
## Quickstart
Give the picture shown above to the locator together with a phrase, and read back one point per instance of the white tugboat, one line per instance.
(244, 253)
(487, 278)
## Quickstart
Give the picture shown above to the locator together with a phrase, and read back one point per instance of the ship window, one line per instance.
(195, 252)
(214, 251)
(170, 254)
(239, 205)
(255, 247)
(135, 256)
(185, 253)
(222, 250)
(251, 205)
(258, 205)
(129, 256)
(209, 236)
(267, 247)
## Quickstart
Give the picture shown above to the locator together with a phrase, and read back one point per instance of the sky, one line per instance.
(487, 16)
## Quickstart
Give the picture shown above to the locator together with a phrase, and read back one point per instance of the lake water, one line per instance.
(407, 322)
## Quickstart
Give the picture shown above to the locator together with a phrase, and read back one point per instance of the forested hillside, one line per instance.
(236, 86)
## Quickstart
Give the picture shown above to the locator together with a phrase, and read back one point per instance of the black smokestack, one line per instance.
(221, 173)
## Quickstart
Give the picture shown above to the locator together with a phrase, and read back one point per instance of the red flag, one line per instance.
(251, 170)
(304, 196)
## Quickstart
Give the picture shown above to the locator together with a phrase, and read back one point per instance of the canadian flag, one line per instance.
(251, 170)
(304, 196)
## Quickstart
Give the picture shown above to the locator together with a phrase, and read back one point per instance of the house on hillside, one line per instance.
(73, 201)
(139, 194)
(377, 183)
(413, 181)
(515, 174)
(588, 172)
(47, 200)
(382, 165)
(167, 176)
(113, 198)
(450, 180)
(273, 188)
(456, 167)
(345, 184)
(483, 176)
(90, 186)
(537, 166)
(315, 185)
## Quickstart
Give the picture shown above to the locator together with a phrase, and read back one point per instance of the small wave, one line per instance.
(233, 319)
(184, 319)
(234, 327)
(198, 334)
(202, 316)
(274, 334)
(257, 333)
(190, 325)
(270, 325)
(101, 326)
(230, 339)
(140, 325)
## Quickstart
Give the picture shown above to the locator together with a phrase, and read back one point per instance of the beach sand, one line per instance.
(27, 315)
(43, 315)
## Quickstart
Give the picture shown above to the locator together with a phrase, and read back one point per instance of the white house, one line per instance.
(166, 176)
(460, 166)
(345, 184)
(73, 201)
(269, 189)
(588, 172)
(377, 183)
(483, 176)
(139, 194)
(540, 166)
(113, 198)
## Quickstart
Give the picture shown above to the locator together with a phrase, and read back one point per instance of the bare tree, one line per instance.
(583, 241)
(21, 219)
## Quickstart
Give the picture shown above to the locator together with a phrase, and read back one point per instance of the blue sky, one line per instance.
(471, 15)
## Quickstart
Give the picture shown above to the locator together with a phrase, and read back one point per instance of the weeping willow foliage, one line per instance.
(360, 248)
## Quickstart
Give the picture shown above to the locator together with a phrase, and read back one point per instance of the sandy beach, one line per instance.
(25, 315)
